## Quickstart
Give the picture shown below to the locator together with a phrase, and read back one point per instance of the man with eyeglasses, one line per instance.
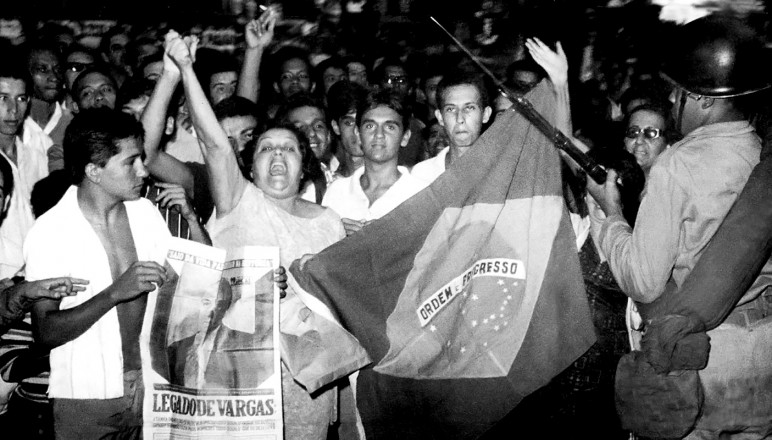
(689, 191)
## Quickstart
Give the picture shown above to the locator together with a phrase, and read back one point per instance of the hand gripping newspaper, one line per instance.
(211, 346)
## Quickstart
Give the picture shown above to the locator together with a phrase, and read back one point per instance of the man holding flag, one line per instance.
(468, 296)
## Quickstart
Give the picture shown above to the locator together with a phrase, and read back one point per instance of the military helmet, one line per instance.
(717, 56)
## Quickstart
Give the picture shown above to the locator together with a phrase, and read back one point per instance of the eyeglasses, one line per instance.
(78, 67)
(648, 132)
(391, 80)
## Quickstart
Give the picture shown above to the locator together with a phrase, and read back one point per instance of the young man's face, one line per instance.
(239, 130)
(96, 90)
(222, 85)
(462, 114)
(330, 76)
(124, 174)
(13, 105)
(46, 75)
(311, 121)
(345, 128)
(382, 134)
(294, 78)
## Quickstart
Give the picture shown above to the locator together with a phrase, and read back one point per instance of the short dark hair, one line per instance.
(78, 48)
(14, 67)
(300, 99)
(654, 92)
(386, 98)
(459, 78)
(343, 98)
(78, 84)
(234, 107)
(210, 62)
(93, 136)
(7, 172)
(150, 59)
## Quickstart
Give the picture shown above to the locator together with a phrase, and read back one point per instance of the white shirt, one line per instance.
(430, 169)
(31, 166)
(63, 243)
(29, 123)
(346, 197)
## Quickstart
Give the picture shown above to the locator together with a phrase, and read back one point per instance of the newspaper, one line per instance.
(211, 355)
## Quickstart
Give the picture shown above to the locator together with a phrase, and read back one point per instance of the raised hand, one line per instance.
(259, 33)
(192, 42)
(173, 196)
(554, 63)
(140, 278)
(169, 65)
(178, 50)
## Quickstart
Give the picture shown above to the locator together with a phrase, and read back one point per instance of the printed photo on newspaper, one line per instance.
(211, 355)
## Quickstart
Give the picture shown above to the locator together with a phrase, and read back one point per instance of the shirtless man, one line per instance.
(96, 378)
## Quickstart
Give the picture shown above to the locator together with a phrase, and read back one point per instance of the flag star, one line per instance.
(505, 290)
(501, 282)
(509, 296)
(501, 315)
(474, 323)
(515, 283)
(502, 309)
(448, 344)
(506, 322)
(496, 327)
(475, 297)
(463, 312)
(433, 328)
(465, 295)
(485, 344)
(485, 321)
(493, 316)
(463, 349)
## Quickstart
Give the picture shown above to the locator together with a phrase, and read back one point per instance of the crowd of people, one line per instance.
(107, 150)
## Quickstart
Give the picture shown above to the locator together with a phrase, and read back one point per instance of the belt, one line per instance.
(751, 312)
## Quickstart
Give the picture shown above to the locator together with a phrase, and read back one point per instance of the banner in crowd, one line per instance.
(468, 296)
(211, 365)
